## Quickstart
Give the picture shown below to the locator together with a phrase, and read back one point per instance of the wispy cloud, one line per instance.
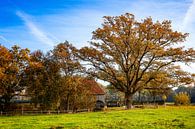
(189, 16)
(5, 40)
(76, 28)
(36, 31)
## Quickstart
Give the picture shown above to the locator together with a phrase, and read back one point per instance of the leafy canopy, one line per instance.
(129, 54)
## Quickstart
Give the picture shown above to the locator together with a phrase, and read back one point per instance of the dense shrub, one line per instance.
(182, 98)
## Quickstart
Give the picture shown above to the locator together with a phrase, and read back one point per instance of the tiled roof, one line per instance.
(95, 87)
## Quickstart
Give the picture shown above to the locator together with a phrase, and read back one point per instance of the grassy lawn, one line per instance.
(169, 118)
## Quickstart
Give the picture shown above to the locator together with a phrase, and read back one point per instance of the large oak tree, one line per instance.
(130, 54)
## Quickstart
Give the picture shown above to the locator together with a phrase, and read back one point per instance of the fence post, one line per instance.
(22, 110)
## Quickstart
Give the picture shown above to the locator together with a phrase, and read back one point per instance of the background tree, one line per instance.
(77, 94)
(64, 55)
(129, 54)
(190, 90)
(70, 67)
(164, 98)
(13, 62)
(43, 79)
(53, 80)
(34, 77)
(182, 98)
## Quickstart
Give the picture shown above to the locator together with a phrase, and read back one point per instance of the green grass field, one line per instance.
(169, 118)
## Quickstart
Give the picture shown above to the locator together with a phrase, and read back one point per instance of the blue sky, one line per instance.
(41, 24)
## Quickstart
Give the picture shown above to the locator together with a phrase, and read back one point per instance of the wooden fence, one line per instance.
(37, 112)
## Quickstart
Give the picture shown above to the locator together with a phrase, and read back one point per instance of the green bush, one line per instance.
(182, 98)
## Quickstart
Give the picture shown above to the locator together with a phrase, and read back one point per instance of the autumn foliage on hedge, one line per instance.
(182, 98)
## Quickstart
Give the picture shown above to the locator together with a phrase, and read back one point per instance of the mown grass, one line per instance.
(162, 118)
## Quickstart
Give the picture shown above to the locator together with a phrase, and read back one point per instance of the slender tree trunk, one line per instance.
(129, 100)
(68, 103)
(139, 97)
(154, 99)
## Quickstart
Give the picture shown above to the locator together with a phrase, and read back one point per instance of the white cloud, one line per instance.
(76, 28)
(35, 31)
(5, 40)
(189, 16)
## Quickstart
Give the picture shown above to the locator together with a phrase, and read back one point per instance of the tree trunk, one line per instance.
(129, 100)
(68, 108)
(139, 97)
(6, 105)
(154, 99)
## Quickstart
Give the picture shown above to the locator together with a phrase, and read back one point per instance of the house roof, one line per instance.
(96, 89)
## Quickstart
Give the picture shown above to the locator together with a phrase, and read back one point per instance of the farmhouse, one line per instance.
(98, 91)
